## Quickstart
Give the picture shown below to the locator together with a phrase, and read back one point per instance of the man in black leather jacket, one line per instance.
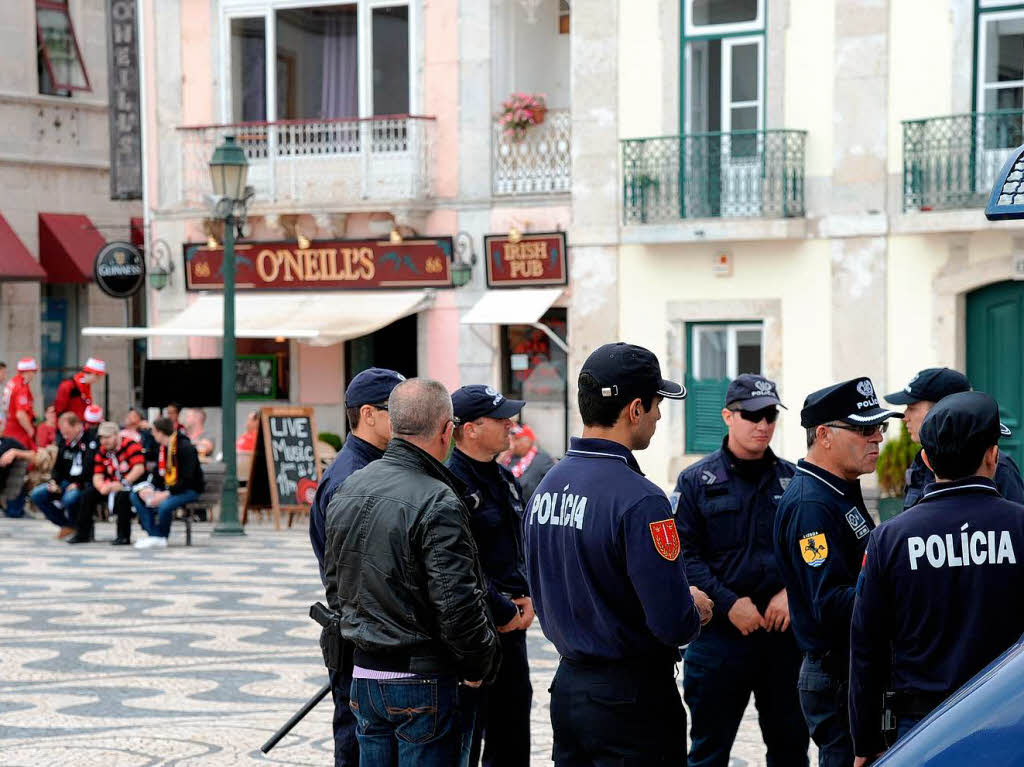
(404, 574)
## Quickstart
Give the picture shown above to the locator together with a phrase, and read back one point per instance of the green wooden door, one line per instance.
(995, 348)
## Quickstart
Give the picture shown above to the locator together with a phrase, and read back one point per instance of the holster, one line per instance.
(889, 717)
(331, 643)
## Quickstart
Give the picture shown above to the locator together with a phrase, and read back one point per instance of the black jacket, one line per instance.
(190, 473)
(74, 460)
(403, 570)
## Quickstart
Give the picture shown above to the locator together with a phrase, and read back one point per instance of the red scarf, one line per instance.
(524, 463)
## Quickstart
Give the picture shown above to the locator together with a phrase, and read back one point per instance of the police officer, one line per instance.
(366, 408)
(821, 529)
(725, 511)
(937, 596)
(607, 578)
(920, 395)
(495, 502)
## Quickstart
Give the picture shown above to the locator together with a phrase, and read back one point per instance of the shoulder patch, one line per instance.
(673, 500)
(814, 549)
(666, 538)
(784, 482)
(708, 477)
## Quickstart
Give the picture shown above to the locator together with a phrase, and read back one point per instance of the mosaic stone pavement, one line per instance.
(184, 656)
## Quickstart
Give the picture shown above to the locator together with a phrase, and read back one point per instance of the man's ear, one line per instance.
(727, 416)
(924, 457)
(367, 414)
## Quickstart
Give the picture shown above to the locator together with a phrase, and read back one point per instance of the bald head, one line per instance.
(421, 413)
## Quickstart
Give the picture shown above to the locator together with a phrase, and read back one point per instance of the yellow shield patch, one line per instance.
(814, 549)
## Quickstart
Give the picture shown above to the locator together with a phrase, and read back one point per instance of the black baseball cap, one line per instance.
(962, 424)
(479, 401)
(749, 391)
(930, 385)
(627, 370)
(853, 402)
(371, 387)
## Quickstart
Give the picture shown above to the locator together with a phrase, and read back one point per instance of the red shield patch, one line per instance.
(666, 538)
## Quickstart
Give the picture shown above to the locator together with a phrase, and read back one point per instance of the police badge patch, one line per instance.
(814, 549)
(666, 538)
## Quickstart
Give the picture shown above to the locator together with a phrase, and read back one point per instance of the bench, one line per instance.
(213, 473)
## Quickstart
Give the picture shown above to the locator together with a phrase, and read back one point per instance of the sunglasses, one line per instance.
(864, 431)
(769, 414)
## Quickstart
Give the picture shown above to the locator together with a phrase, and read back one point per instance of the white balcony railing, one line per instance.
(538, 164)
(329, 161)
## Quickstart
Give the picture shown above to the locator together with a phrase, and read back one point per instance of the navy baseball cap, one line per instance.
(626, 370)
(965, 423)
(853, 402)
(372, 387)
(478, 401)
(749, 391)
(930, 385)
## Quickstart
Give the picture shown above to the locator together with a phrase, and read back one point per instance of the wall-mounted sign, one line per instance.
(533, 259)
(125, 111)
(119, 269)
(328, 265)
(256, 376)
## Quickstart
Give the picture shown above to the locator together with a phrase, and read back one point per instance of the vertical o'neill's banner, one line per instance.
(325, 265)
(529, 260)
(125, 112)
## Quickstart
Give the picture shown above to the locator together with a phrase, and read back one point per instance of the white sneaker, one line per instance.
(143, 543)
(156, 542)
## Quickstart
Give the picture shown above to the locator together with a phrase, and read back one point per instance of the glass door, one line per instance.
(742, 116)
(1000, 95)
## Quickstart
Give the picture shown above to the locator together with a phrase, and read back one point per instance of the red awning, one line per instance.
(16, 263)
(68, 244)
(138, 237)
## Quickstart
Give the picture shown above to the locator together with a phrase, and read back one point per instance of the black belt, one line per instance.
(658, 663)
(831, 662)
(915, 703)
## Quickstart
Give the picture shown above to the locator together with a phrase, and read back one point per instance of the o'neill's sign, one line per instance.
(324, 265)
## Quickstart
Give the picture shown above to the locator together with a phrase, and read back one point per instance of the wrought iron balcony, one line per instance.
(330, 161)
(540, 163)
(754, 174)
(952, 162)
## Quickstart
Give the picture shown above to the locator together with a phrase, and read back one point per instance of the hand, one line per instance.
(525, 605)
(776, 615)
(745, 616)
(7, 458)
(863, 761)
(472, 684)
(113, 487)
(73, 486)
(703, 604)
(513, 625)
(52, 487)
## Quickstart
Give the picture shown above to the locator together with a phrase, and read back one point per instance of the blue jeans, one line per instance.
(157, 522)
(823, 698)
(69, 498)
(416, 722)
(16, 506)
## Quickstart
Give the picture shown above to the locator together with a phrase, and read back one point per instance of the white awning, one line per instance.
(315, 317)
(520, 306)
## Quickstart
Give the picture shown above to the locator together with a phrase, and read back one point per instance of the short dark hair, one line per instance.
(352, 414)
(164, 426)
(596, 410)
(3, 364)
(175, 405)
(957, 464)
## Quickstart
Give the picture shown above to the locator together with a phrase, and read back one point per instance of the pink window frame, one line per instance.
(51, 5)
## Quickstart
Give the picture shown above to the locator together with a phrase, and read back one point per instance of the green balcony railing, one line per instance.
(713, 175)
(952, 162)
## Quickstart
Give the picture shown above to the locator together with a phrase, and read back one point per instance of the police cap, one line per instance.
(478, 401)
(930, 385)
(964, 425)
(371, 387)
(752, 392)
(853, 402)
(627, 371)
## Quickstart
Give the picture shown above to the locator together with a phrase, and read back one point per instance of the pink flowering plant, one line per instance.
(521, 111)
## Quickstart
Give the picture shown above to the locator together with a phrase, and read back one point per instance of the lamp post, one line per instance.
(228, 170)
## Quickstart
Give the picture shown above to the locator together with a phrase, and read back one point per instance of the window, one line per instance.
(249, 70)
(535, 371)
(1000, 78)
(59, 61)
(721, 17)
(718, 352)
(391, 61)
(317, 63)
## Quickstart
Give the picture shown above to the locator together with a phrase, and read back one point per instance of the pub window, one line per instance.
(58, 60)
(279, 349)
(718, 352)
(564, 12)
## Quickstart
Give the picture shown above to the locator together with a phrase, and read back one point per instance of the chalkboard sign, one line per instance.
(285, 471)
(256, 376)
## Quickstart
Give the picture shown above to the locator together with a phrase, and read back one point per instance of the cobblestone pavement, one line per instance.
(184, 656)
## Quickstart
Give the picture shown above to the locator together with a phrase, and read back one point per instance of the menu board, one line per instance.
(285, 471)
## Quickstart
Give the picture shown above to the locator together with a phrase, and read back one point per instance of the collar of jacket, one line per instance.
(362, 447)
(405, 453)
(973, 484)
(841, 486)
(590, 447)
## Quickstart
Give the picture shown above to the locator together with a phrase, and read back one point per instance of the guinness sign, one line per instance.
(119, 269)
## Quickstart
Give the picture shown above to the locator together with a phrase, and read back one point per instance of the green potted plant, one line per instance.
(893, 462)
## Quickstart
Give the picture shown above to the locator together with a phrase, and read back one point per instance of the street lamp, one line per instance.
(228, 171)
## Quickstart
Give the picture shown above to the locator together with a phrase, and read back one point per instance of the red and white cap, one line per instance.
(95, 365)
(27, 364)
(93, 414)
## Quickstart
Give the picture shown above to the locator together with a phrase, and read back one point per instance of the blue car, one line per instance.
(982, 723)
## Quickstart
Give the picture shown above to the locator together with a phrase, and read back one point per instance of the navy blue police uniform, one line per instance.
(371, 387)
(937, 595)
(820, 533)
(725, 509)
(610, 589)
(932, 385)
(495, 503)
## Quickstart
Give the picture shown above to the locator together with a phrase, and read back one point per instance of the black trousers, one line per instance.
(123, 511)
(346, 745)
(823, 698)
(503, 709)
(84, 525)
(617, 714)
